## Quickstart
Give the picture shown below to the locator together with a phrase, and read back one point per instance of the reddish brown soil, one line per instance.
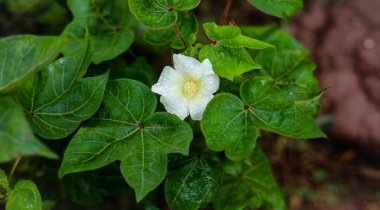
(344, 37)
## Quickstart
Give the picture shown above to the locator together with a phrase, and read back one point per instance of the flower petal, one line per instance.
(169, 80)
(187, 64)
(209, 84)
(198, 105)
(176, 105)
(207, 67)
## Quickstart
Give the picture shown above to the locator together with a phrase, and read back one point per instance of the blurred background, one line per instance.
(341, 172)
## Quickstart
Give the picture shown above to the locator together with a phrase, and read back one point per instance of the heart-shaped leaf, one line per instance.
(23, 55)
(57, 100)
(160, 14)
(278, 8)
(227, 53)
(192, 182)
(16, 136)
(231, 124)
(249, 185)
(128, 130)
(24, 196)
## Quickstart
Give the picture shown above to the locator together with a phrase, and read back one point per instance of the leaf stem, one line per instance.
(225, 12)
(176, 29)
(13, 169)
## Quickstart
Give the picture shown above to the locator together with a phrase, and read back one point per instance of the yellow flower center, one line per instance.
(190, 89)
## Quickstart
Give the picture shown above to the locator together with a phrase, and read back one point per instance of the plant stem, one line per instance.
(13, 169)
(225, 12)
(175, 27)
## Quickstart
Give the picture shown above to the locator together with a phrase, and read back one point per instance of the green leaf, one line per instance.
(289, 65)
(58, 99)
(23, 55)
(16, 136)
(4, 185)
(249, 185)
(227, 125)
(188, 27)
(126, 129)
(231, 124)
(193, 50)
(24, 196)
(109, 24)
(192, 182)
(273, 111)
(160, 14)
(278, 8)
(227, 53)
(149, 206)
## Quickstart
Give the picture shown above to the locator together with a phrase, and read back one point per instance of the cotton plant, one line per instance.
(188, 88)
(88, 87)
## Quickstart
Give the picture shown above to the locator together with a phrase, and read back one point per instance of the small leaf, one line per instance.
(4, 185)
(126, 129)
(193, 50)
(149, 206)
(250, 185)
(231, 124)
(188, 27)
(109, 25)
(278, 8)
(58, 100)
(227, 53)
(16, 136)
(23, 55)
(24, 196)
(192, 183)
(160, 14)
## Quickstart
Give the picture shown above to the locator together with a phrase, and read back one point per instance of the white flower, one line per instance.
(188, 87)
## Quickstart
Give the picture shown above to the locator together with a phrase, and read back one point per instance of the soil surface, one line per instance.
(343, 172)
(344, 38)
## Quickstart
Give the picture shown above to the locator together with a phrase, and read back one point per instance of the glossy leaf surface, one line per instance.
(22, 56)
(128, 130)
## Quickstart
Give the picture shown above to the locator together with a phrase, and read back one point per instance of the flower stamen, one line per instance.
(190, 89)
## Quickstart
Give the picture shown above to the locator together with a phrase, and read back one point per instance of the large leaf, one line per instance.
(231, 124)
(24, 196)
(4, 185)
(249, 185)
(58, 100)
(227, 53)
(192, 182)
(22, 56)
(108, 22)
(128, 130)
(188, 27)
(16, 137)
(160, 14)
(278, 8)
